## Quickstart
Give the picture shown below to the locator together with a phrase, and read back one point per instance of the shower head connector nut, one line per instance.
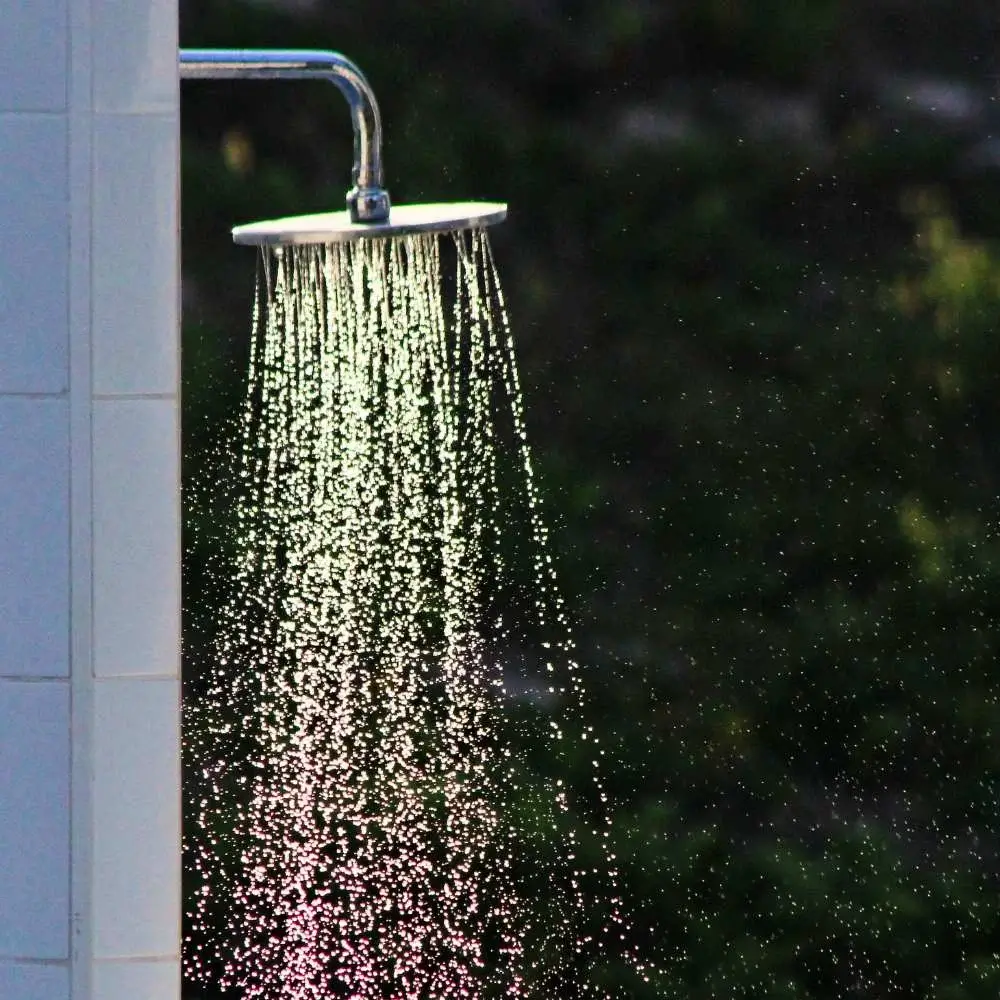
(368, 204)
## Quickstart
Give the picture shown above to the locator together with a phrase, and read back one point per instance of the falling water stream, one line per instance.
(356, 787)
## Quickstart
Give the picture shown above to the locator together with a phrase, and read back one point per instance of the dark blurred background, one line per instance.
(753, 269)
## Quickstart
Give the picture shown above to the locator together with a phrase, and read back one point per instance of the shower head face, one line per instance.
(337, 227)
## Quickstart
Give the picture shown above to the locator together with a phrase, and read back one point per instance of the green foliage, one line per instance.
(761, 37)
(762, 382)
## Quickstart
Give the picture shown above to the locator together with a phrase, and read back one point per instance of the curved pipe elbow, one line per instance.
(367, 201)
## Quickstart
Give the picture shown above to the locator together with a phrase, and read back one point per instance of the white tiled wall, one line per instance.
(137, 71)
(135, 242)
(136, 980)
(34, 828)
(34, 210)
(89, 501)
(24, 981)
(34, 46)
(34, 537)
(135, 847)
(136, 554)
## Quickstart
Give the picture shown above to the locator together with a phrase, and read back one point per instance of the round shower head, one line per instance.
(337, 227)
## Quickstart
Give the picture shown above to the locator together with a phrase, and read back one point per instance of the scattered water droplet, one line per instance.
(360, 804)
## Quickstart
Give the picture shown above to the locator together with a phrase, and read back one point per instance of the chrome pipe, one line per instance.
(367, 201)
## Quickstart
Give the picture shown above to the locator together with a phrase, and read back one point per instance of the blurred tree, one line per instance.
(756, 289)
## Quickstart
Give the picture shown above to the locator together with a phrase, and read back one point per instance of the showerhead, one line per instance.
(338, 227)
(368, 212)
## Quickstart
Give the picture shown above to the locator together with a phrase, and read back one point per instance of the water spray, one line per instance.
(360, 800)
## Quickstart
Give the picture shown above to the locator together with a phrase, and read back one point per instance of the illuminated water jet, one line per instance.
(355, 775)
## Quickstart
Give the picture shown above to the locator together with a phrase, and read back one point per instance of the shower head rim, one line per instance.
(337, 227)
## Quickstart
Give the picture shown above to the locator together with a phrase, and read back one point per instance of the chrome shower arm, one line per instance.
(367, 201)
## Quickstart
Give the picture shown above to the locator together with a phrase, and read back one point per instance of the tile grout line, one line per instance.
(80, 95)
(125, 396)
(58, 963)
(164, 959)
(14, 394)
(35, 679)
